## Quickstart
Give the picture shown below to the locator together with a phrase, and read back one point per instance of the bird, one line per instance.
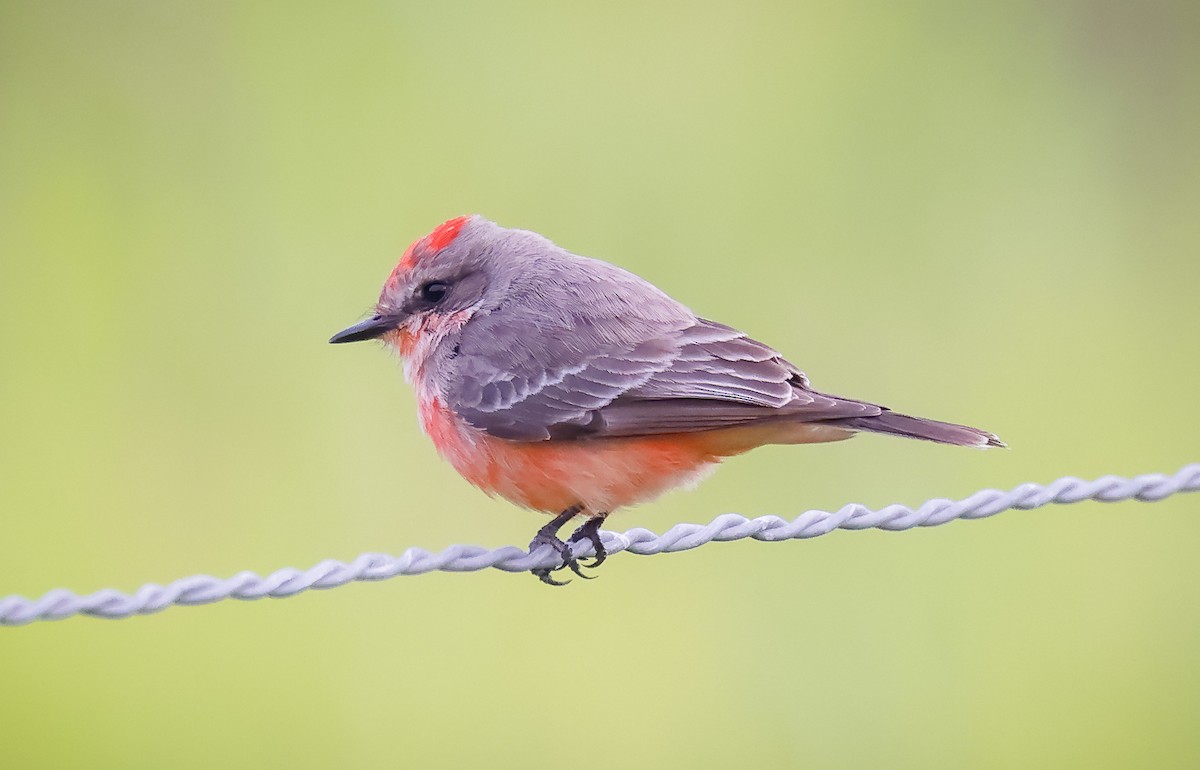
(569, 385)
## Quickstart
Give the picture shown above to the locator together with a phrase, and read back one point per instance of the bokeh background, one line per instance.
(983, 212)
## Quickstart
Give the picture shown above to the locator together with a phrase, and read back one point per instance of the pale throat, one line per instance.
(417, 338)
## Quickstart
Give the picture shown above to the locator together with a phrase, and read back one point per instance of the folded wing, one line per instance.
(690, 377)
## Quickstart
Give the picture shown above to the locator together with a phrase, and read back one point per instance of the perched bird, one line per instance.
(570, 386)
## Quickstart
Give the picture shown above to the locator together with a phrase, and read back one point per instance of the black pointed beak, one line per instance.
(375, 326)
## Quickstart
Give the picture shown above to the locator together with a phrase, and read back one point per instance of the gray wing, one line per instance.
(688, 375)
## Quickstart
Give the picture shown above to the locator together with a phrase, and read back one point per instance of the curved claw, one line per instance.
(543, 574)
(595, 562)
(600, 557)
(548, 535)
(576, 568)
(570, 562)
(590, 532)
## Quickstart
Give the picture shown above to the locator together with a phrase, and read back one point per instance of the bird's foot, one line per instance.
(548, 535)
(590, 532)
(564, 552)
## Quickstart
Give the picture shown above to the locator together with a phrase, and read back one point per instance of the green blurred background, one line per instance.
(984, 213)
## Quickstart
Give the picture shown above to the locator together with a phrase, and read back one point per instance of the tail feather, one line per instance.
(896, 424)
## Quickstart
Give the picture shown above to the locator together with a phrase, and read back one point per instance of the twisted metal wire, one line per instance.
(204, 589)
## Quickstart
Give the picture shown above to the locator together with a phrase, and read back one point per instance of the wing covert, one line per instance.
(703, 376)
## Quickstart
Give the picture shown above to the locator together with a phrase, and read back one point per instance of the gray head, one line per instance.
(455, 269)
(469, 265)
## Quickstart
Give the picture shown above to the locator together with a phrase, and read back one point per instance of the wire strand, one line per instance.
(205, 589)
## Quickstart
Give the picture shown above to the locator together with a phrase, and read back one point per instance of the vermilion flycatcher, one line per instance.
(570, 386)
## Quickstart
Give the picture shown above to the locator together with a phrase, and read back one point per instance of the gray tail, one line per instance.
(917, 427)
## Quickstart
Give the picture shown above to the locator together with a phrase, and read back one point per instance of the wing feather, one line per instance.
(703, 376)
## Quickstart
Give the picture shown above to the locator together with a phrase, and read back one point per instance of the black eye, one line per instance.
(434, 291)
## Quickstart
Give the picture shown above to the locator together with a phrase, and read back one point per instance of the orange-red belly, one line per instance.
(599, 474)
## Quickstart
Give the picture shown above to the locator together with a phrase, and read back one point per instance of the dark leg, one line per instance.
(590, 531)
(548, 535)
